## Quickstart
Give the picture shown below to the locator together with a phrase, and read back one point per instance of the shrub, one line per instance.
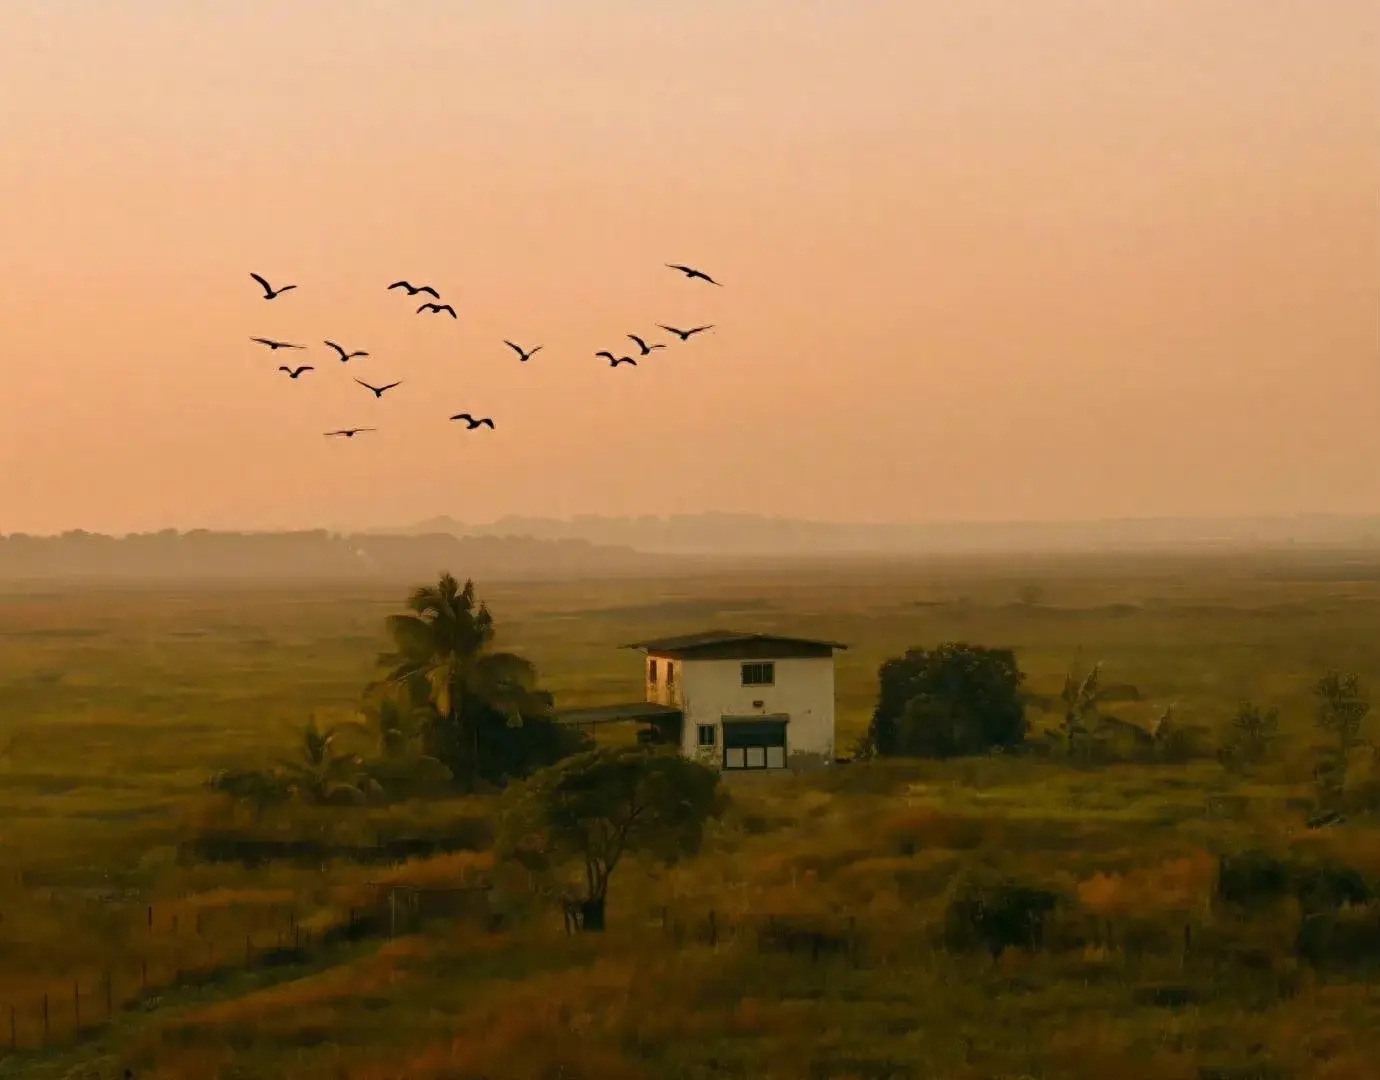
(951, 701)
(999, 914)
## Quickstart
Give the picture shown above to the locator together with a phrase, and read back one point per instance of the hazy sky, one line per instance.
(983, 259)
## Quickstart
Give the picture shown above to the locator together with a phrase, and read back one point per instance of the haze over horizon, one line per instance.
(982, 262)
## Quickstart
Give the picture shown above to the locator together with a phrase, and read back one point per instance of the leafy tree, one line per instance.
(593, 809)
(1341, 710)
(443, 645)
(953, 700)
(1251, 734)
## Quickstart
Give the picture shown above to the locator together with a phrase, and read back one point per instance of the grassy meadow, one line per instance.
(117, 703)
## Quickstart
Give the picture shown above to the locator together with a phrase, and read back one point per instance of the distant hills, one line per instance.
(313, 555)
(752, 535)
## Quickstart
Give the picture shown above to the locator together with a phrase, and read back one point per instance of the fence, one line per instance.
(174, 958)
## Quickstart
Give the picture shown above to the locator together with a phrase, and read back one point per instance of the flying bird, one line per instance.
(276, 345)
(349, 433)
(646, 349)
(344, 356)
(269, 291)
(292, 373)
(691, 272)
(605, 353)
(685, 335)
(471, 423)
(522, 355)
(437, 308)
(622, 360)
(413, 290)
(378, 390)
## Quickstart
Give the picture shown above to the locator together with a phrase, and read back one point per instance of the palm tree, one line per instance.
(323, 775)
(442, 644)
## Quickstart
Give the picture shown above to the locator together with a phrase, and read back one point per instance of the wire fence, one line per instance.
(170, 955)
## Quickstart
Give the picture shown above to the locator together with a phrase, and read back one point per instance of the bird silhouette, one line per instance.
(471, 423)
(378, 390)
(292, 373)
(622, 360)
(413, 290)
(437, 308)
(349, 433)
(646, 349)
(269, 291)
(691, 272)
(276, 345)
(344, 356)
(605, 353)
(522, 355)
(685, 335)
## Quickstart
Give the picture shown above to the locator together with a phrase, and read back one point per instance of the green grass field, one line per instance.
(117, 703)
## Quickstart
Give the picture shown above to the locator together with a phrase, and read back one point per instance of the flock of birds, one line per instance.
(436, 307)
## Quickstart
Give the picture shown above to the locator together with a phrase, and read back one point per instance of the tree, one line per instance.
(1252, 732)
(1342, 709)
(321, 775)
(401, 721)
(953, 700)
(1082, 702)
(442, 645)
(595, 808)
(1174, 742)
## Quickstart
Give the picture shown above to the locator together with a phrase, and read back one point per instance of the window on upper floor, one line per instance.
(651, 672)
(670, 675)
(759, 674)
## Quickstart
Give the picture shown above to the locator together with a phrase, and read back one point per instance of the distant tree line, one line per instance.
(959, 700)
(299, 555)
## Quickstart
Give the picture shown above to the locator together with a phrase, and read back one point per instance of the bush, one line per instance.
(1000, 914)
(1252, 879)
(951, 701)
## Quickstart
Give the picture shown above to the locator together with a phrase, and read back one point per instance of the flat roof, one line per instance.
(708, 639)
(629, 712)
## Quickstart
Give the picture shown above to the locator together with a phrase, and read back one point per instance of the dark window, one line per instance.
(708, 734)
(670, 675)
(651, 672)
(759, 674)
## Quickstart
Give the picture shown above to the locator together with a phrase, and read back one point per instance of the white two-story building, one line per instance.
(743, 701)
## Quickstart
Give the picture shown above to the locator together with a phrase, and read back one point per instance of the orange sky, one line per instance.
(987, 259)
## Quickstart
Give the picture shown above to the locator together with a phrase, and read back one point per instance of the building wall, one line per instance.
(708, 690)
(664, 691)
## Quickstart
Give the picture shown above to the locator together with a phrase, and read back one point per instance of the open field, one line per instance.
(118, 703)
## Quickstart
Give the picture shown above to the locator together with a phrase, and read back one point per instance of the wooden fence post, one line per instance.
(150, 916)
